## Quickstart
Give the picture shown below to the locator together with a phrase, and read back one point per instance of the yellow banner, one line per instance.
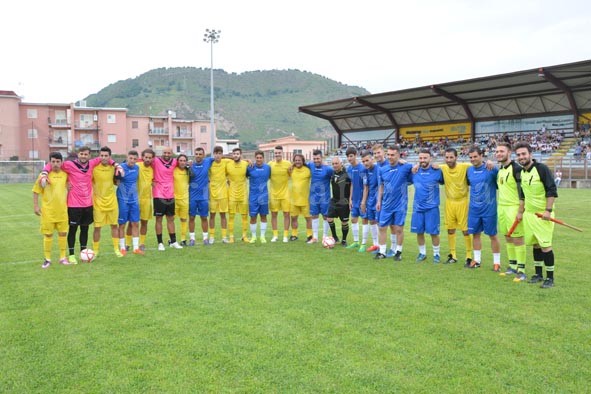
(435, 132)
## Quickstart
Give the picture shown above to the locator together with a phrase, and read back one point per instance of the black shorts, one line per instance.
(338, 211)
(81, 216)
(164, 207)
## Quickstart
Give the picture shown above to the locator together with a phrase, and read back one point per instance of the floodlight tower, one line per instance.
(211, 36)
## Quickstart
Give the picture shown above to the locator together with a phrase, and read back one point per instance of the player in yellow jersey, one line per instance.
(104, 199)
(300, 196)
(218, 194)
(279, 198)
(53, 209)
(181, 195)
(456, 203)
(144, 186)
(237, 195)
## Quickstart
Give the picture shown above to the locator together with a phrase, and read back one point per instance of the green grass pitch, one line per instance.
(288, 317)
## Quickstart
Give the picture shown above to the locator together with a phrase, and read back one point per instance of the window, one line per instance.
(111, 138)
(297, 151)
(33, 154)
(60, 117)
(203, 129)
(134, 124)
(135, 143)
(86, 120)
(111, 118)
(32, 113)
(32, 133)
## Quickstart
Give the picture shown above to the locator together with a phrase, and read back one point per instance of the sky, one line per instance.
(61, 51)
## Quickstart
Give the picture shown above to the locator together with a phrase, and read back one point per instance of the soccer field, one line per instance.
(288, 317)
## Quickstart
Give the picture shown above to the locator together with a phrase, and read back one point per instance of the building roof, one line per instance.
(552, 90)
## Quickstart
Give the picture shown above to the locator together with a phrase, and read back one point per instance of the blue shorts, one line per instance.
(199, 208)
(129, 212)
(370, 214)
(478, 224)
(258, 207)
(425, 222)
(355, 210)
(319, 209)
(395, 218)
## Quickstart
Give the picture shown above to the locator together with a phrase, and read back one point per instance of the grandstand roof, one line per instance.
(554, 90)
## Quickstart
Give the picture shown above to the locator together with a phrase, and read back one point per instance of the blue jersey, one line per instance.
(395, 180)
(199, 180)
(483, 191)
(354, 173)
(257, 184)
(320, 183)
(127, 189)
(370, 179)
(426, 183)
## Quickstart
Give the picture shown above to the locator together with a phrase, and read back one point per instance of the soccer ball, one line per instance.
(328, 242)
(87, 255)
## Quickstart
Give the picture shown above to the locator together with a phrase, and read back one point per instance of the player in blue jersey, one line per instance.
(199, 194)
(258, 195)
(354, 171)
(368, 202)
(128, 201)
(482, 211)
(392, 201)
(425, 216)
(319, 193)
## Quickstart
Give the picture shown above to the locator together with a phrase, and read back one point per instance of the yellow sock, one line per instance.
(115, 243)
(468, 240)
(62, 242)
(275, 233)
(245, 226)
(47, 242)
(294, 232)
(285, 233)
(452, 244)
(95, 247)
(211, 232)
(308, 232)
(142, 239)
(184, 228)
(230, 228)
(224, 233)
(127, 240)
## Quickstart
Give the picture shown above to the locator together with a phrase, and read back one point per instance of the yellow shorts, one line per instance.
(456, 214)
(239, 207)
(506, 216)
(279, 205)
(181, 209)
(297, 210)
(220, 206)
(537, 231)
(50, 227)
(106, 218)
(146, 211)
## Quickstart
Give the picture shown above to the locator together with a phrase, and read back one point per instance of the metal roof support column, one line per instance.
(383, 110)
(463, 103)
(567, 91)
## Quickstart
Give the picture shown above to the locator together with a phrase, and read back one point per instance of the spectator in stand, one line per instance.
(557, 177)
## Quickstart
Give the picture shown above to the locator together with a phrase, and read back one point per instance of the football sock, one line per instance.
(72, 238)
(142, 239)
(62, 243)
(122, 243)
(374, 233)
(315, 226)
(539, 261)
(308, 232)
(436, 250)
(497, 258)
(184, 228)
(275, 233)
(477, 255)
(520, 256)
(364, 232)
(468, 242)
(135, 241)
(116, 243)
(285, 233)
(451, 238)
(47, 242)
(549, 263)
(127, 240)
(511, 255)
(83, 237)
(245, 221)
(423, 249)
(294, 232)
(324, 228)
(231, 226)
(159, 238)
(263, 229)
(333, 229)
(96, 247)
(355, 231)
(345, 230)
(253, 230)
(393, 241)
(192, 236)
(172, 238)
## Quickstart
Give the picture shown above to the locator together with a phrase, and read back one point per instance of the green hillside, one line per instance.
(253, 106)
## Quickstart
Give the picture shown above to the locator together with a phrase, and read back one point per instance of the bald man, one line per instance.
(339, 203)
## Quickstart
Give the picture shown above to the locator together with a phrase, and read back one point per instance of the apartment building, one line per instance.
(31, 131)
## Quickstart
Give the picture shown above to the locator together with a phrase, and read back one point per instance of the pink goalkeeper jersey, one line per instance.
(163, 184)
(80, 177)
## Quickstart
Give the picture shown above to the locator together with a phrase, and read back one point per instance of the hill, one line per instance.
(253, 106)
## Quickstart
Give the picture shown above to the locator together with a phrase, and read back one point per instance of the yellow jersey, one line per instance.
(237, 181)
(218, 184)
(181, 184)
(300, 186)
(104, 197)
(456, 187)
(144, 182)
(279, 179)
(54, 197)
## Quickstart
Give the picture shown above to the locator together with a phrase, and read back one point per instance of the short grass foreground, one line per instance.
(288, 318)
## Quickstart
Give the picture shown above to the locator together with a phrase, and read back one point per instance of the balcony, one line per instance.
(86, 126)
(58, 123)
(58, 141)
(158, 131)
(186, 134)
(93, 145)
